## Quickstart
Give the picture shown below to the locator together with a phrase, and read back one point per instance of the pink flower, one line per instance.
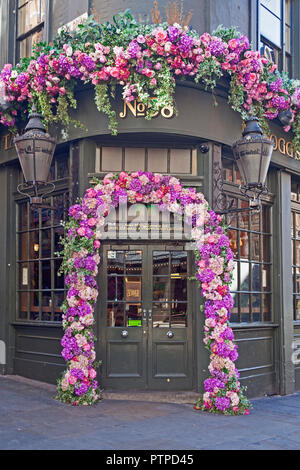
(92, 373)
(72, 380)
(81, 231)
(96, 243)
(92, 222)
(246, 411)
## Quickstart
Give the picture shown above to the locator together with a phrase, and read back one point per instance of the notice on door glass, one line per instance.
(25, 276)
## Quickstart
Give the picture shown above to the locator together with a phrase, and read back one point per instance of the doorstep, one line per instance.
(184, 396)
(158, 396)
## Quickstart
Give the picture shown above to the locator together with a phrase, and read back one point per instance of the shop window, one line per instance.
(295, 236)
(275, 18)
(250, 240)
(40, 291)
(162, 160)
(31, 16)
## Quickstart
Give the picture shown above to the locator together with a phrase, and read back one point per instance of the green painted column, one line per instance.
(282, 280)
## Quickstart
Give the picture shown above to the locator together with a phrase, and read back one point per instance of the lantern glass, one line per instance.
(253, 158)
(35, 154)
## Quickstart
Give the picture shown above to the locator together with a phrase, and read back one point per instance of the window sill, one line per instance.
(51, 324)
(240, 326)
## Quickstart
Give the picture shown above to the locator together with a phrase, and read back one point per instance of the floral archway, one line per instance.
(214, 264)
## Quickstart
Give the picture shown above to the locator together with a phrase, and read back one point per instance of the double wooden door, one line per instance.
(145, 327)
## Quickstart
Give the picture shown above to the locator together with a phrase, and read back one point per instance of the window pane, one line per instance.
(179, 314)
(235, 280)
(133, 289)
(133, 315)
(160, 314)
(266, 279)
(46, 274)
(227, 169)
(46, 214)
(133, 262)
(266, 304)
(46, 306)
(161, 289)
(23, 216)
(157, 160)
(23, 305)
(234, 313)
(256, 281)
(244, 245)
(297, 225)
(180, 161)
(46, 243)
(111, 159)
(244, 276)
(288, 12)
(270, 27)
(62, 166)
(59, 282)
(297, 252)
(34, 218)
(34, 275)
(58, 298)
(255, 298)
(115, 315)
(255, 247)
(115, 288)
(115, 262)
(273, 5)
(179, 289)
(179, 262)
(244, 216)
(34, 247)
(30, 14)
(160, 262)
(245, 307)
(233, 234)
(134, 159)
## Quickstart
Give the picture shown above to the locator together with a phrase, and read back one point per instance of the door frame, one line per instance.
(146, 381)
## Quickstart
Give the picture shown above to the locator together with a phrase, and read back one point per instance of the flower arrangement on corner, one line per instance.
(223, 392)
(145, 60)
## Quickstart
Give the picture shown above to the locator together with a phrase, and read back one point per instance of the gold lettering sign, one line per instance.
(138, 109)
(284, 147)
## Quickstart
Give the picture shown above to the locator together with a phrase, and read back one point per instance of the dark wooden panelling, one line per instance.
(38, 352)
(256, 363)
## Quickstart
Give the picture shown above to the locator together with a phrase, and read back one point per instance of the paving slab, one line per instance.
(30, 418)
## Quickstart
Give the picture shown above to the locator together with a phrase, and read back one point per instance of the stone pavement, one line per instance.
(31, 419)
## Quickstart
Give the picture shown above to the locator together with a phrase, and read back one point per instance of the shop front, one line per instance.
(148, 320)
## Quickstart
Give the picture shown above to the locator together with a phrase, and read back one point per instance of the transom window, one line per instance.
(31, 16)
(40, 291)
(276, 31)
(162, 160)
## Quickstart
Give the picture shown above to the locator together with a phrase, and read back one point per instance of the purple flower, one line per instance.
(210, 384)
(185, 44)
(217, 47)
(173, 33)
(81, 389)
(135, 185)
(205, 276)
(222, 403)
(275, 86)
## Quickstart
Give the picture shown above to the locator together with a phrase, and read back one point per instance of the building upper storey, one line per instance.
(271, 25)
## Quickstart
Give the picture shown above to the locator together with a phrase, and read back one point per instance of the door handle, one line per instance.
(150, 315)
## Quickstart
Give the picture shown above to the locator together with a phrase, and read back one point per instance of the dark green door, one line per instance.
(146, 317)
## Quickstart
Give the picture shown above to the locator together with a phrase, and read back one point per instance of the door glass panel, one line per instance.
(124, 288)
(133, 314)
(179, 262)
(161, 289)
(160, 314)
(179, 289)
(115, 262)
(115, 314)
(133, 262)
(179, 314)
(160, 263)
(169, 288)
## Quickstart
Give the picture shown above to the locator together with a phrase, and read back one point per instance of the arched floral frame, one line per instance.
(214, 265)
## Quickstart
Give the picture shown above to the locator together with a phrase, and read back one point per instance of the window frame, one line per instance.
(62, 187)
(41, 26)
(231, 190)
(295, 209)
(282, 52)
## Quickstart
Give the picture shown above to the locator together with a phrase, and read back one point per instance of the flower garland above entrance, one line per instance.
(223, 393)
(145, 59)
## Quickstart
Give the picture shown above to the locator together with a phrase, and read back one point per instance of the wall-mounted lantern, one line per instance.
(252, 155)
(35, 149)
